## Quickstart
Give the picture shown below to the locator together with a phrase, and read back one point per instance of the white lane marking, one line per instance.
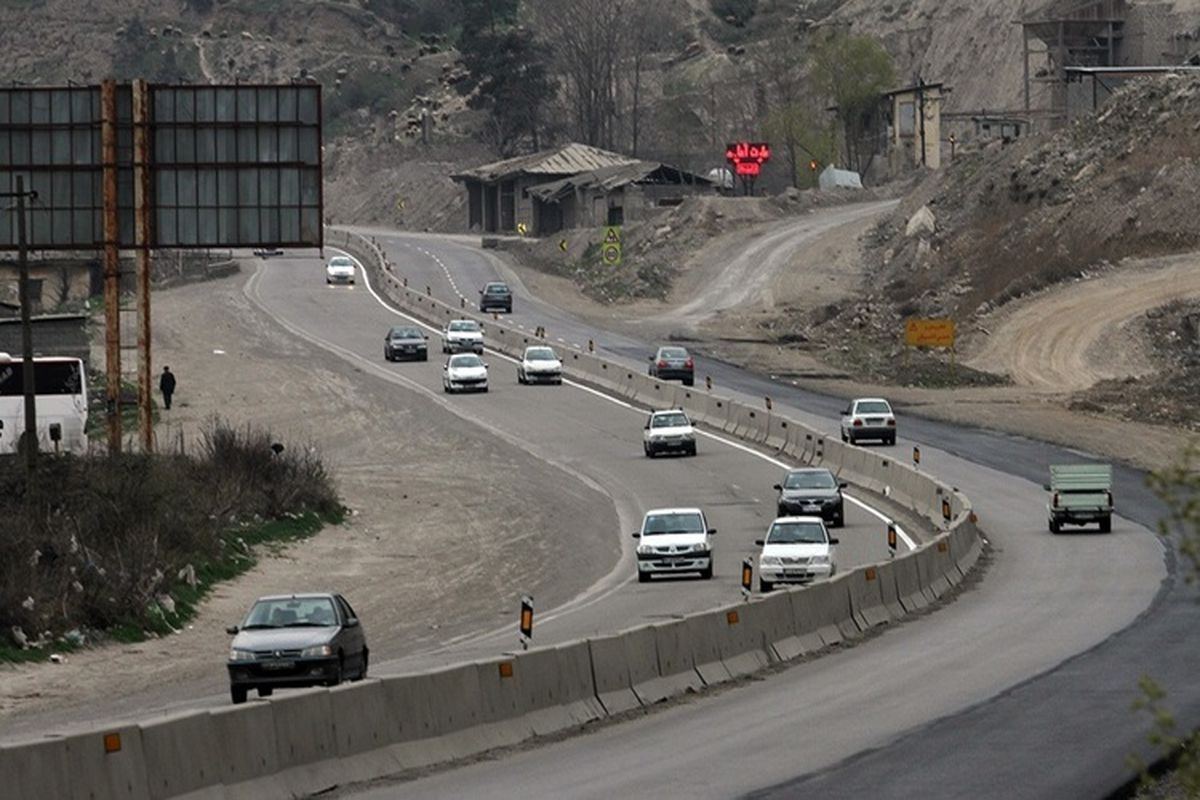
(908, 542)
(441, 264)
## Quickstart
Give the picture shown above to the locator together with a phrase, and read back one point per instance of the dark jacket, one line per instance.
(167, 383)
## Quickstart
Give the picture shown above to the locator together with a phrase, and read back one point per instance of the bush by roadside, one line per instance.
(122, 546)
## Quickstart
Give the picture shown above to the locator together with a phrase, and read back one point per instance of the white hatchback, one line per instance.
(465, 372)
(539, 364)
(673, 541)
(795, 550)
(340, 269)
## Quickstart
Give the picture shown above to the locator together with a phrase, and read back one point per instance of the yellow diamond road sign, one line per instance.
(521, 228)
(612, 235)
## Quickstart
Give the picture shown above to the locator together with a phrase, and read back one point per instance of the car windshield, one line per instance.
(340, 261)
(540, 354)
(796, 533)
(464, 325)
(669, 421)
(466, 361)
(683, 522)
(292, 612)
(874, 407)
(405, 333)
(816, 479)
(672, 352)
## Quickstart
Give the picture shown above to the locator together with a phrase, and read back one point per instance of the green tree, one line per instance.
(854, 72)
(793, 129)
(509, 69)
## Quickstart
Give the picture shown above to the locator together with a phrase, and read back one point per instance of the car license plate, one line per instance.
(811, 507)
(278, 665)
(796, 573)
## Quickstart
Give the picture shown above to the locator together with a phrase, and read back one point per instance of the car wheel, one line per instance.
(689, 381)
(765, 586)
(891, 440)
(340, 675)
(650, 451)
(706, 574)
(266, 691)
(845, 438)
(1054, 526)
(362, 672)
(520, 377)
(424, 357)
(840, 520)
(691, 451)
(237, 694)
(643, 577)
(850, 438)
(558, 381)
(485, 390)
(1106, 525)
(446, 388)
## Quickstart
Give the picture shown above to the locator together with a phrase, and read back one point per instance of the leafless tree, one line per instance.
(586, 39)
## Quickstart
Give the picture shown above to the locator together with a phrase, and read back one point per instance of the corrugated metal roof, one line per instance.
(610, 178)
(570, 159)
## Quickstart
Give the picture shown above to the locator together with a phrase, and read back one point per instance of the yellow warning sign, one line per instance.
(522, 229)
(929, 332)
(612, 234)
(562, 245)
(610, 254)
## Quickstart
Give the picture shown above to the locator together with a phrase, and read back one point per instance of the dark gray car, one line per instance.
(406, 342)
(295, 641)
(673, 364)
(496, 297)
(812, 492)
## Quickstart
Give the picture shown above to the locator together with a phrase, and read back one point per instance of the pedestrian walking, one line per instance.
(166, 385)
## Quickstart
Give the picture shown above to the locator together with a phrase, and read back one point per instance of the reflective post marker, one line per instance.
(526, 621)
(891, 539)
(747, 577)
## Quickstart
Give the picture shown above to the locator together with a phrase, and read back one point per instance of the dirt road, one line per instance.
(1071, 336)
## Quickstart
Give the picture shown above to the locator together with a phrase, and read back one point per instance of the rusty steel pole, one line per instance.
(112, 264)
(141, 194)
(30, 386)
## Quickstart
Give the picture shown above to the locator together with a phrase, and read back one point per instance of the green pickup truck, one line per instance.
(1080, 494)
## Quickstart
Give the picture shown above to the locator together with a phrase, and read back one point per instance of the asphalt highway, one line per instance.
(1020, 688)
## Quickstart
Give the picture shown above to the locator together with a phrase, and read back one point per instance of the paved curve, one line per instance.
(1030, 674)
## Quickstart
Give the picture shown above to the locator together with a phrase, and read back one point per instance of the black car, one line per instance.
(673, 364)
(812, 492)
(295, 641)
(406, 342)
(495, 297)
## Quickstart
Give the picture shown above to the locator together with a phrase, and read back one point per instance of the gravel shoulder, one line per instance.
(438, 544)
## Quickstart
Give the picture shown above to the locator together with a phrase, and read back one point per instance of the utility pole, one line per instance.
(29, 386)
(112, 264)
(141, 193)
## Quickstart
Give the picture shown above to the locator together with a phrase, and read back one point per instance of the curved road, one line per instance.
(1020, 688)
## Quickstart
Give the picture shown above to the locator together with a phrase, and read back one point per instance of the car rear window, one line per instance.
(496, 288)
(874, 407)
(673, 352)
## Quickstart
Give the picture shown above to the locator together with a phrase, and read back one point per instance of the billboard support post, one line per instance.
(141, 189)
(112, 264)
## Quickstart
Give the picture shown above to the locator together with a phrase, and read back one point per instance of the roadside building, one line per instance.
(915, 126)
(572, 186)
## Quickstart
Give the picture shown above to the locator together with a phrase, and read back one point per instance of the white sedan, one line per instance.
(462, 335)
(340, 269)
(465, 372)
(539, 364)
(869, 418)
(796, 550)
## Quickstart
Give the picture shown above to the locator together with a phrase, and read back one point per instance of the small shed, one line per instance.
(571, 186)
(915, 129)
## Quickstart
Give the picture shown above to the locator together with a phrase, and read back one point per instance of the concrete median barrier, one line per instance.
(676, 667)
(866, 597)
(908, 583)
(889, 590)
(823, 609)
(935, 566)
(620, 663)
(84, 766)
(779, 431)
(304, 741)
(702, 632)
(692, 402)
(246, 750)
(965, 546)
(363, 729)
(738, 636)
(36, 769)
(557, 691)
(656, 394)
(178, 754)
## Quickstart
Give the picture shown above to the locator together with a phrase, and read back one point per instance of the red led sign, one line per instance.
(747, 158)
